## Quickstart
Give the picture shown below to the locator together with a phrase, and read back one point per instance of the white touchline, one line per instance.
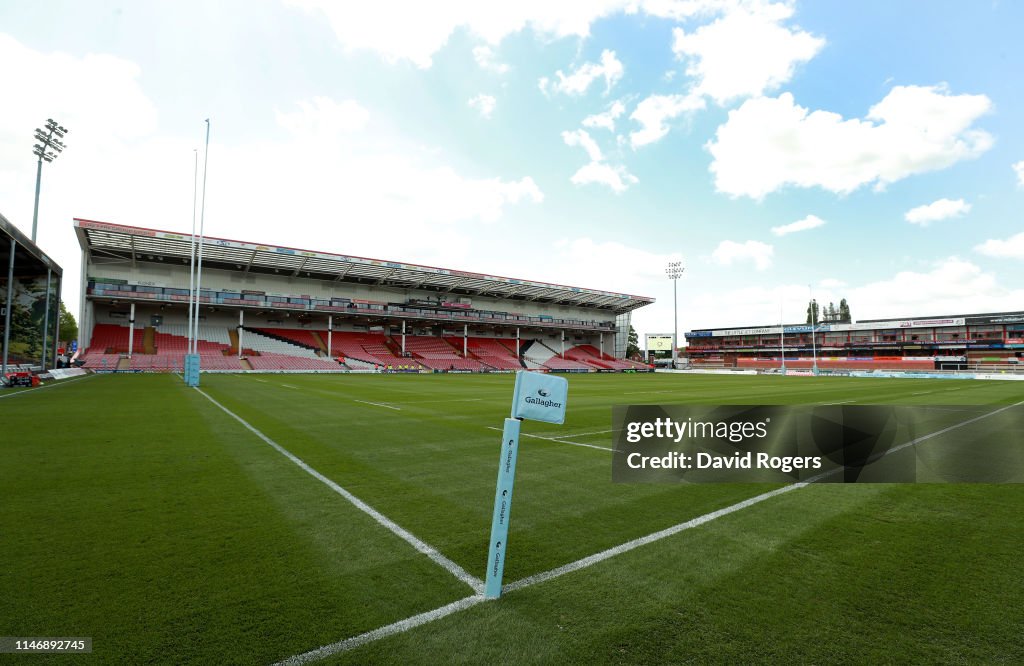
(289, 386)
(379, 404)
(560, 441)
(444, 611)
(650, 538)
(382, 632)
(454, 569)
(675, 529)
(64, 383)
(584, 434)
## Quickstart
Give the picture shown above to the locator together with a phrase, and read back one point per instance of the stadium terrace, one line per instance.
(265, 307)
(991, 342)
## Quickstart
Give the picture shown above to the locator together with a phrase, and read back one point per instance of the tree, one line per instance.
(844, 312)
(812, 312)
(68, 326)
(632, 343)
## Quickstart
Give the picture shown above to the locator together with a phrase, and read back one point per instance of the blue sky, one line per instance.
(867, 150)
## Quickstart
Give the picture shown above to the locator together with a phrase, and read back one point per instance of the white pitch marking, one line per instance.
(379, 404)
(454, 569)
(584, 434)
(675, 529)
(261, 381)
(382, 632)
(444, 611)
(417, 402)
(289, 386)
(922, 392)
(38, 388)
(560, 441)
(843, 402)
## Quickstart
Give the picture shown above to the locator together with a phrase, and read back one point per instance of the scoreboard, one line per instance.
(659, 342)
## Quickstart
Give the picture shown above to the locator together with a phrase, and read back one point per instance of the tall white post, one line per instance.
(465, 340)
(403, 338)
(814, 327)
(782, 339)
(330, 329)
(563, 344)
(517, 341)
(192, 254)
(241, 323)
(601, 348)
(131, 330)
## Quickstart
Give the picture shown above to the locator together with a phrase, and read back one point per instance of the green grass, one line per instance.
(135, 511)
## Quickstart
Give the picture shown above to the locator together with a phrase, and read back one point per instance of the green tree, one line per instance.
(632, 343)
(68, 326)
(844, 312)
(812, 312)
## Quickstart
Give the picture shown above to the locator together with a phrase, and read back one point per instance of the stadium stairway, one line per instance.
(543, 356)
(439, 354)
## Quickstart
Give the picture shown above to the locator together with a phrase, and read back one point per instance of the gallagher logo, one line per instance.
(542, 401)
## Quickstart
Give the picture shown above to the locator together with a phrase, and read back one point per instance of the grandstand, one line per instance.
(270, 308)
(983, 342)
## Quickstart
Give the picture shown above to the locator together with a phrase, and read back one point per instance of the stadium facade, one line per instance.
(992, 341)
(30, 285)
(268, 307)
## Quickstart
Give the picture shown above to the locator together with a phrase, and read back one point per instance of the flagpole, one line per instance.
(202, 228)
(192, 250)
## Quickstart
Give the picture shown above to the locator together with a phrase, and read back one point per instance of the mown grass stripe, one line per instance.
(454, 569)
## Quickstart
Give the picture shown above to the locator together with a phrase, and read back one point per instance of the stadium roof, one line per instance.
(27, 255)
(137, 244)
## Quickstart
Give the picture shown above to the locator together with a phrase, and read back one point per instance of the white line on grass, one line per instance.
(379, 404)
(39, 388)
(467, 602)
(417, 402)
(382, 632)
(289, 386)
(675, 529)
(261, 381)
(584, 434)
(454, 569)
(842, 402)
(559, 441)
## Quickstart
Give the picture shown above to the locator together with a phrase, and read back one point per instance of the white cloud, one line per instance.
(729, 252)
(615, 177)
(583, 140)
(952, 286)
(654, 112)
(949, 286)
(586, 261)
(606, 119)
(484, 104)
(415, 31)
(942, 209)
(392, 196)
(809, 222)
(769, 143)
(1019, 170)
(745, 52)
(1011, 248)
(324, 118)
(485, 58)
(577, 83)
